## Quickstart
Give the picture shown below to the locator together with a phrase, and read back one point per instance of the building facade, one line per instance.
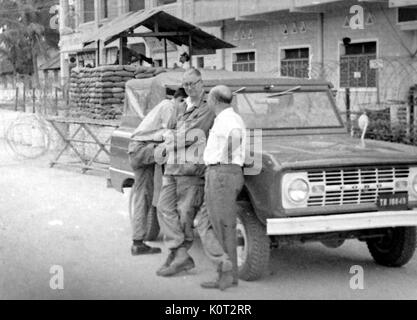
(367, 46)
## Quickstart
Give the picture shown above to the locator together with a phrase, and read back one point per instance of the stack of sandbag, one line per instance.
(74, 86)
(148, 72)
(99, 93)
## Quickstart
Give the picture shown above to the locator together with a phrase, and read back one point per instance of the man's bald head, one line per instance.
(220, 98)
(222, 94)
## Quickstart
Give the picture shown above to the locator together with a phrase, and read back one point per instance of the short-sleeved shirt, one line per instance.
(155, 123)
(216, 151)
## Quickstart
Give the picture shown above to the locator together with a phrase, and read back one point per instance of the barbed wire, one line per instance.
(29, 136)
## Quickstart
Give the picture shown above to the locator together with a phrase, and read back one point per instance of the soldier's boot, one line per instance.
(181, 262)
(140, 248)
(168, 261)
(224, 278)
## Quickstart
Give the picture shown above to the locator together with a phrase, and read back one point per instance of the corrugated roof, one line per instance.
(201, 40)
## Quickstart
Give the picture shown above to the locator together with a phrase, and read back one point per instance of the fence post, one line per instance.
(56, 101)
(17, 99)
(67, 102)
(44, 93)
(33, 99)
(348, 120)
(24, 97)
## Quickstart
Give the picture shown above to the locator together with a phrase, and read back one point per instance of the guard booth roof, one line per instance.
(162, 25)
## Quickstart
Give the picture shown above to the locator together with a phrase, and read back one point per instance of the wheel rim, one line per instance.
(242, 241)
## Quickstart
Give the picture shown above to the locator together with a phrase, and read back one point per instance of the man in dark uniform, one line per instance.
(183, 182)
(141, 151)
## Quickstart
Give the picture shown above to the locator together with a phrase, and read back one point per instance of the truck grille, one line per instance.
(354, 185)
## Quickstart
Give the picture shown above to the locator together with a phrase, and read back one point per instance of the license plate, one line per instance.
(396, 201)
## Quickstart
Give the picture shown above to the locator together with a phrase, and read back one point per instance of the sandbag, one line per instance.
(144, 75)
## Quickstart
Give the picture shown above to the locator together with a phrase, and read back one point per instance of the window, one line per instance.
(355, 71)
(296, 110)
(407, 14)
(88, 10)
(165, 2)
(200, 62)
(295, 63)
(244, 61)
(111, 55)
(104, 9)
(136, 5)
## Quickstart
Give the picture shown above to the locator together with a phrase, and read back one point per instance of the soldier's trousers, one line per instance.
(180, 199)
(142, 193)
(223, 185)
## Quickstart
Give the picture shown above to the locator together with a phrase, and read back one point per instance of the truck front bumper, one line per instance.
(341, 222)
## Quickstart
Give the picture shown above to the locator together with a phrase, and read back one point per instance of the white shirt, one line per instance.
(188, 103)
(217, 143)
(155, 122)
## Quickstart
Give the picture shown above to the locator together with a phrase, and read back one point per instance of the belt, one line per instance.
(223, 164)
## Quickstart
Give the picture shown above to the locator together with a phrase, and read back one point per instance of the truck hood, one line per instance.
(334, 150)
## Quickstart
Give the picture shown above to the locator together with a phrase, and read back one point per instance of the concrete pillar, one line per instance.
(64, 11)
(320, 43)
(97, 12)
(63, 21)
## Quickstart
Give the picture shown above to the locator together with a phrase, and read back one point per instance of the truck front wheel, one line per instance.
(253, 245)
(394, 249)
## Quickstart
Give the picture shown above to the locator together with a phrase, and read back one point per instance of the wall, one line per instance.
(398, 74)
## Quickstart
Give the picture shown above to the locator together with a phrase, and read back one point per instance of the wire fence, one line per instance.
(387, 94)
(49, 98)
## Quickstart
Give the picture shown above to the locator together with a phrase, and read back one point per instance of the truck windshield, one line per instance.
(293, 110)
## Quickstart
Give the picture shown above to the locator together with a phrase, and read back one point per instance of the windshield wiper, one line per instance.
(284, 92)
(239, 90)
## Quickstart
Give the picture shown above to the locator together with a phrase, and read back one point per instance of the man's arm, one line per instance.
(203, 122)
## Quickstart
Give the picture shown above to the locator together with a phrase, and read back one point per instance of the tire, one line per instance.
(152, 219)
(396, 248)
(253, 249)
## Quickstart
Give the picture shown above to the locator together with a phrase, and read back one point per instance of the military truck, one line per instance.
(313, 181)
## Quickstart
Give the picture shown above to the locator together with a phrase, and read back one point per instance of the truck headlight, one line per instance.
(298, 190)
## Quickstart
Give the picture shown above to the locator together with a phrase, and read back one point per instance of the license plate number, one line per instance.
(396, 201)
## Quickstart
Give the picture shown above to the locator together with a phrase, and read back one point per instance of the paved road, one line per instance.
(59, 217)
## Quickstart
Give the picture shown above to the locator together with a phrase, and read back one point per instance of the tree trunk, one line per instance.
(35, 69)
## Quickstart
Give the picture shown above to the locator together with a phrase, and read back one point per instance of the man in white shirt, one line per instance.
(145, 192)
(224, 157)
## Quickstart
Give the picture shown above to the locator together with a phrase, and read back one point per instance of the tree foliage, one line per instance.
(25, 34)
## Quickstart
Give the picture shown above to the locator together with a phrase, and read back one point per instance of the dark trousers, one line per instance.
(180, 199)
(223, 185)
(141, 201)
(141, 157)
